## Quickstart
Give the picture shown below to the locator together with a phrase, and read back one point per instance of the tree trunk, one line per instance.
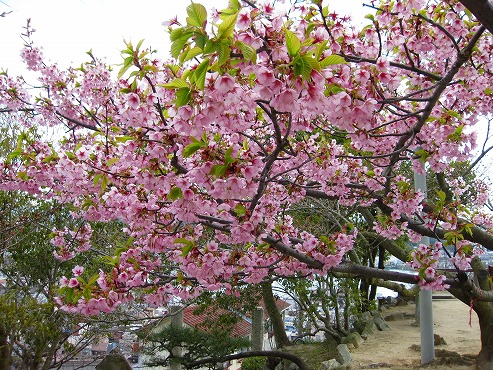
(484, 310)
(5, 351)
(275, 317)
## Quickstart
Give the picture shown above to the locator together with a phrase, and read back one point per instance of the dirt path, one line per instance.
(397, 348)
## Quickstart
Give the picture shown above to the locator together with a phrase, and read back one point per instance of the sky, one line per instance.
(67, 29)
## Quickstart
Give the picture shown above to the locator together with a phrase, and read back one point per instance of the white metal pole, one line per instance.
(176, 313)
(425, 297)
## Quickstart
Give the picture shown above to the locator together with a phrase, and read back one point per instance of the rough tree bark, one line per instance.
(280, 336)
(482, 10)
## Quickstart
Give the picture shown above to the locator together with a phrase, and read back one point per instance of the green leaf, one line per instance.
(332, 60)
(248, 51)
(191, 53)
(16, 154)
(227, 26)
(422, 154)
(319, 49)
(139, 44)
(69, 296)
(187, 245)
(302, 66)
(228, 159)
(177, 83)
(307, 42)
(175, 193)
(183, 96)
(123, 139)
(191, 148)
(87, 293)
(240, 210)
(22, 175)
(176, 33)
(112, 161)
(224, 53)
(234, 5)
(97, 179)
(333, 89)
(127, 63)
(104, 183)
(178, 45)
(325, 11)
(441, 194)
(201, 40)
(200, 73)
(197, 15)
(93, 279)
(293, 43)
(218, 170)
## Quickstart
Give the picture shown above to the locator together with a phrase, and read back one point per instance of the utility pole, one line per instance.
(425, 296)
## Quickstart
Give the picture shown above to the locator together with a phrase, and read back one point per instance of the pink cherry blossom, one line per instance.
(204, 163)
(72, 283)
(133, 100)
(78, 270)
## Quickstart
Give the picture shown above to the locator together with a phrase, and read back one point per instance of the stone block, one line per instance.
(332, 364)
(343, 354)
(369, 328)
(354, 339)
(381, 324)
(395, 316)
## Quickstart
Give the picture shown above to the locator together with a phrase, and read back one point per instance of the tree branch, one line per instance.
(482, 10)
(288, 356)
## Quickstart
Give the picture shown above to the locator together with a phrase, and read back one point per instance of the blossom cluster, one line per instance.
(425, 259)
(202, 156)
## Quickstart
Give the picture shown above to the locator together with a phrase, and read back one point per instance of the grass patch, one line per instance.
(314, 353)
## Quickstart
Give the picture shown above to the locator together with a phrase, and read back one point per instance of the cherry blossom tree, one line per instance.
(201, 155)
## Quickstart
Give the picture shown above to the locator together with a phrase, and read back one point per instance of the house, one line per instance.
(203, 319)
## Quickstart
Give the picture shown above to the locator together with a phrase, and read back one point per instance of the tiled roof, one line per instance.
(200, 321)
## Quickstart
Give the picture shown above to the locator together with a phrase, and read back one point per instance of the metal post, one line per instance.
(176, 314)
(425, 297)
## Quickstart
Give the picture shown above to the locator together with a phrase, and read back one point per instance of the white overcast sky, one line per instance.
(67, 29)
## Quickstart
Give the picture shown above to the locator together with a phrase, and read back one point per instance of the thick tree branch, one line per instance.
(482, 10)
(288, 356)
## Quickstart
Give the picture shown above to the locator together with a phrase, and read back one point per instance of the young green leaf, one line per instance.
(191, 148)
(197, 15)
(188, 245)
(332, 60)
(183, 96)
(224, 53)
(175, 193)
(227, 26)
(302, 67)
(240, 210)
(177, 83)
(178, 45)
(200, 73)
(293, 43)
(111, 161)
(248, 51)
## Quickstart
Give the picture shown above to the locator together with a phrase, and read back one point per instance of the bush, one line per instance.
(253, 363)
